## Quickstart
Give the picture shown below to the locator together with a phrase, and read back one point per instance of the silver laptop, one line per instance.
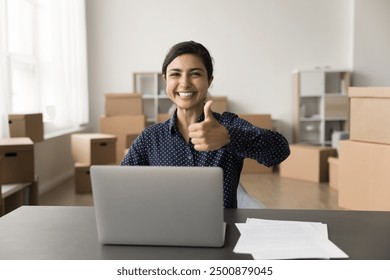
(169, 206)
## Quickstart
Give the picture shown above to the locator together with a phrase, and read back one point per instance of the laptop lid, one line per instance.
(158, 205)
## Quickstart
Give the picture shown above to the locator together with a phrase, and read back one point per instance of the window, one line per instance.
(44, 62)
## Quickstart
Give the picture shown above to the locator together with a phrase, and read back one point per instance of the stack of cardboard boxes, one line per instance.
(123, 118)
(18, 182)
(91, 149)
(364, 169)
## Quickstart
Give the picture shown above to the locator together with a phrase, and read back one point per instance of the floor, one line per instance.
(269, 188)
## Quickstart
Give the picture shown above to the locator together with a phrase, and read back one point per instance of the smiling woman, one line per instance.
(197, 136)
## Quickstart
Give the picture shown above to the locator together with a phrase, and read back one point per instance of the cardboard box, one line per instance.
(130, 139)
(119, 104)
(333, 172)
(308, 163)
(121, 126)
(93, 148)
(26, 125)
(364, 176)
(163, 117)
(369, 114)
(220, 104)
(17, 160)
(263, 121)
(252, 166)
(82, 178)
(258, 120)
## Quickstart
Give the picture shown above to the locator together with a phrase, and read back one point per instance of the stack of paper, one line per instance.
(273, 239)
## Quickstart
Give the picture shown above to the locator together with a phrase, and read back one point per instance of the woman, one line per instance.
(196, 136)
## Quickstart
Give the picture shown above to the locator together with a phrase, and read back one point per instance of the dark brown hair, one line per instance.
(190, 47)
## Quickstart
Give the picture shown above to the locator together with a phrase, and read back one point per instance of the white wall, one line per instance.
(255, 44)
(371, 53)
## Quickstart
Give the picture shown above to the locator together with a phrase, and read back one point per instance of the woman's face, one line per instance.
(187, 82)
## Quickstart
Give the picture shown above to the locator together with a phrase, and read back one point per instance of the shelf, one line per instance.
(321, 105)
(152, 87)
(311, 119)
(148, 96)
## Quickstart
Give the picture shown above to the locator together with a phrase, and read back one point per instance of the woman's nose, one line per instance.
(184, 81)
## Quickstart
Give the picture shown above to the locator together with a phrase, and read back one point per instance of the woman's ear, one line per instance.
(164, 78)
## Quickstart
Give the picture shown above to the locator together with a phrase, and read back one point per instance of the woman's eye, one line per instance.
(195, 74)
(174, 75)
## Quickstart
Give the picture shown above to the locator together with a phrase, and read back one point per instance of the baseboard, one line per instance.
(54, 182)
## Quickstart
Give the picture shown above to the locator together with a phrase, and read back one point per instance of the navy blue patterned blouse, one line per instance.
(163, 145)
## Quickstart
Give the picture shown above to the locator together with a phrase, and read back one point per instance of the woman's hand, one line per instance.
(210, 134)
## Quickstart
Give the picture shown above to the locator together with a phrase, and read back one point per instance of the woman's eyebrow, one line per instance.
(174, 70)
(180, 70)
(196, 69)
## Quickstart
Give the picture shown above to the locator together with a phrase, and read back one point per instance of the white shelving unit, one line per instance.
(321, 105)
(152, 87)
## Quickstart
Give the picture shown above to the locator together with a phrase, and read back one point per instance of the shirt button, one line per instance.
(189, 157)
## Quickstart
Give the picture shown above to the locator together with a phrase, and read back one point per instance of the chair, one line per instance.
(244, 200)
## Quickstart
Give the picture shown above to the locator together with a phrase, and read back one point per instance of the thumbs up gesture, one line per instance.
(210, 134)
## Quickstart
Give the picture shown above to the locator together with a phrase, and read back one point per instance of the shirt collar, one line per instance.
(173, 122)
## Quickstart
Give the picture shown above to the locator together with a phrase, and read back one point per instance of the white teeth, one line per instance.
(185, 94)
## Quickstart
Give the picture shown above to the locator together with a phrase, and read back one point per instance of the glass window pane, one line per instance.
(20, 26)
(23, 87)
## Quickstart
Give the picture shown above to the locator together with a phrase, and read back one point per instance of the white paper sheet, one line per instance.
(270, 239)
(320, 227)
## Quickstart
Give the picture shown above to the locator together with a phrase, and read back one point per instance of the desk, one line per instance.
(69, 232)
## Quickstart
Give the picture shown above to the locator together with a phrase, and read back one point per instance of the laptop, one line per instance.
(159, 205)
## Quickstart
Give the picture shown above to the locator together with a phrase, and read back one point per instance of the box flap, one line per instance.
(123, 95)
(218, 98)
(23, 116)
(333, 160)
(369, 92)
(17, 143)
(81, 165)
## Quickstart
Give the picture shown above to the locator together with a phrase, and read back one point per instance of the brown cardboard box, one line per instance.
(93, 148)
(259, 120)
(369, 114)
(252, 166)
(263, 121)
(333, 172)
(119, 104)
(163, 117)
(220, 104)
(17, 160)
(26, 125)
(121, 126)
(82, 178)
(120, 148)
(364, 176)
(306, 162)
(130, 139)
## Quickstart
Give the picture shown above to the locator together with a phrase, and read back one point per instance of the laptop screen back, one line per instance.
(146, 205)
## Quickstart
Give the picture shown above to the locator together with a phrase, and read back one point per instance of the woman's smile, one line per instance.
(186, 94)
